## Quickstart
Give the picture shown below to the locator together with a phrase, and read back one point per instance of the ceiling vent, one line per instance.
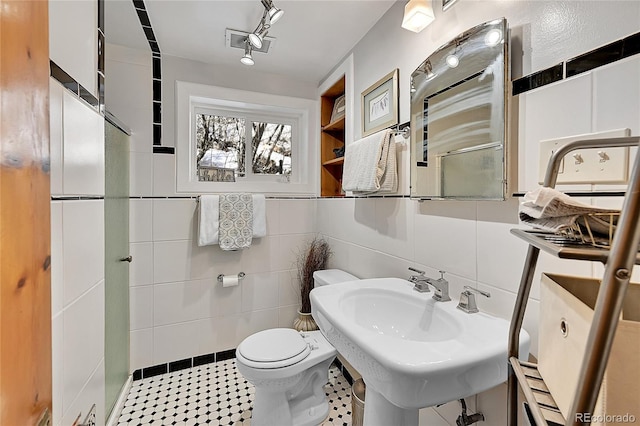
(235, 38)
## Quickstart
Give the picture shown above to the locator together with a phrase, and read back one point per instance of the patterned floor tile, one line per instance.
(213, 394)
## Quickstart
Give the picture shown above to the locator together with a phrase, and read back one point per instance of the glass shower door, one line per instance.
(117, 259)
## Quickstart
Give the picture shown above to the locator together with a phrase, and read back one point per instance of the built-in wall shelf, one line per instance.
(335, 162)
(332, 136)
(336, 126)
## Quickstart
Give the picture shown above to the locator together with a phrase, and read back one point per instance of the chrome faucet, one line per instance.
(468, 299)
(421, 284)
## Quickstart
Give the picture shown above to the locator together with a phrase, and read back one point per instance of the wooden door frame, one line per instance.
(25, 201)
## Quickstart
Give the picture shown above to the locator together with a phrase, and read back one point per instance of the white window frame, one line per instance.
(298, 112)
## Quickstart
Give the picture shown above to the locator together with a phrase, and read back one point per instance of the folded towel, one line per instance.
(550, 209)
(209, 218)
(370, 164)
(236, 221)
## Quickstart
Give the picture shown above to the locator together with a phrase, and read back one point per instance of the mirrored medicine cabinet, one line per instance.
(458, 117)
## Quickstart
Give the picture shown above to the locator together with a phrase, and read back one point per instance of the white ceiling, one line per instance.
(311, 38)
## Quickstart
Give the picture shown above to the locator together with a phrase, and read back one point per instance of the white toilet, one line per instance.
(289, 370)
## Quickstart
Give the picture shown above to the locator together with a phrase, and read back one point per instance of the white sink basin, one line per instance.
(412, 351)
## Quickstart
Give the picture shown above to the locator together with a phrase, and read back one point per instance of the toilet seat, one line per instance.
(274, 348)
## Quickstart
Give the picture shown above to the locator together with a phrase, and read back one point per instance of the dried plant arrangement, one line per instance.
(314, 258)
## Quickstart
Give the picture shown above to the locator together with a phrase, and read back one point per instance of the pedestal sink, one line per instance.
(412, 351)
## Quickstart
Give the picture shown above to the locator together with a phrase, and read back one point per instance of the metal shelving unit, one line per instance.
(618, 260)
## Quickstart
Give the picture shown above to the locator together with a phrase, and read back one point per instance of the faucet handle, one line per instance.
(467, 301)
(442, 274)
(484, 293)
(416, 270)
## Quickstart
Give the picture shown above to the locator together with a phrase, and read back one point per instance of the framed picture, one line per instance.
(338, 109)
(379, 104)
(446, 4)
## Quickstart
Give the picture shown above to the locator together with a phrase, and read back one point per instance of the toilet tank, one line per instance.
(331, 276)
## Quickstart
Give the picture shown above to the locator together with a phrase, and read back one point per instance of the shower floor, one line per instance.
(213, 394)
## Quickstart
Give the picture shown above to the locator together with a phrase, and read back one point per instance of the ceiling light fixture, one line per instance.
(273, 12)
(255, 39)
(418, 14)
(247, 59)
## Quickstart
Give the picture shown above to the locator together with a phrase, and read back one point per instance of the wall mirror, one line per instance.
(458, 117)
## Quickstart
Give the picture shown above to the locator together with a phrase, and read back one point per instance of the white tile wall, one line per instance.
(174, 219)
(140, 220)
(556, 110)
(141, 174)
(57, 276)
(57, 350)
(141, 307)
(141, 347)
(73, 40)
(55, 135)
(91, 393)
(141, 268)
(164, 175)
(83, 246)
(83, 153)
(178, 309)
(83, 336)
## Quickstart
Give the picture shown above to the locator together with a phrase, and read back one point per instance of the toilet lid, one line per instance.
(274, 348)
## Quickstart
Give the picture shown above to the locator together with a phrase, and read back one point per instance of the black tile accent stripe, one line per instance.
(88, 97)
(631, 45)
(204, 359)
(157, 135)
(224, 355)
(156, 370)
(596, 58)
(147, 28)
(180, 365)
(137, 375)
(164, 150)
(157, 68)
(62, 77)
(157, 113)
(614, 51)
(537, 79)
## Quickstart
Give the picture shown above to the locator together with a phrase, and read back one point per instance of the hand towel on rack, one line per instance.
(369, 164)
(550, 209)
(236, 221)
(208, 218)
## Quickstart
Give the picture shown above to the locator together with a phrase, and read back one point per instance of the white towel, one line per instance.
(259, 216)
(209, 218)
(550, 209)
(235, 230)
(370, 164)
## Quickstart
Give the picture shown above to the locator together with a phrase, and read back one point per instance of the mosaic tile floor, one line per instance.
(213, 394)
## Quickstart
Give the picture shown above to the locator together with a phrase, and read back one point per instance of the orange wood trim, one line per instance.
(25, 273)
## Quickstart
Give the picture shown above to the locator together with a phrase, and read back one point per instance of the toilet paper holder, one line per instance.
(240, 276)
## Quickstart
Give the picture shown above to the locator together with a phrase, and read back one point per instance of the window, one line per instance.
(224, 154)
(233, 140)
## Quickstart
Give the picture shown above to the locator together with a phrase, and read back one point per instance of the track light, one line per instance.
(273, 12)
(247, 59)
(255, 39)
